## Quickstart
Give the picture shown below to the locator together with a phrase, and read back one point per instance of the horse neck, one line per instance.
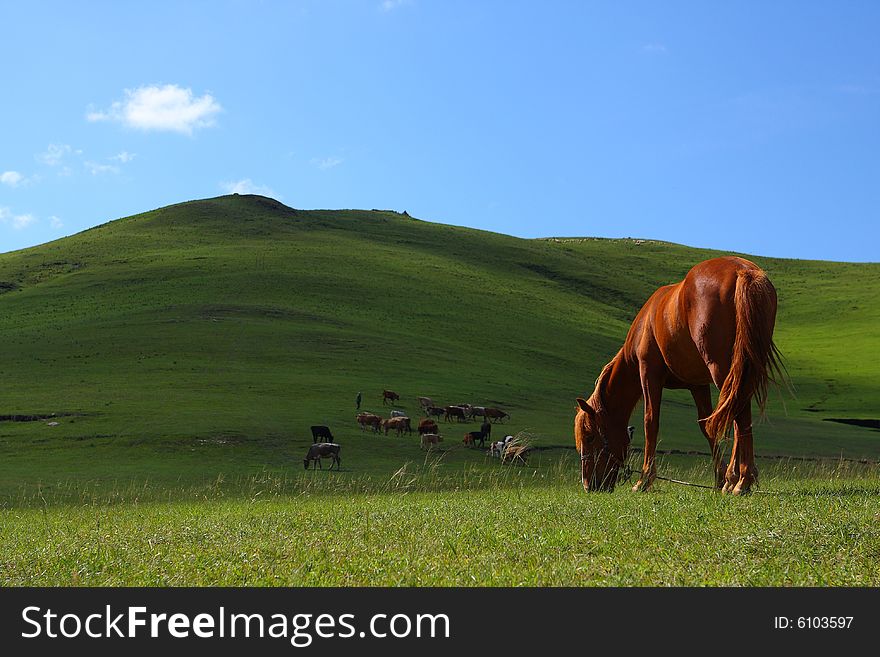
(619, 389)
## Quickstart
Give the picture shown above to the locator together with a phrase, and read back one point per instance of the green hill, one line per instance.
(206, 337)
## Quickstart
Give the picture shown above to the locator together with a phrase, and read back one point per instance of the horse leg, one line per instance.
(703, 400)
(652, 389)
(742, 431)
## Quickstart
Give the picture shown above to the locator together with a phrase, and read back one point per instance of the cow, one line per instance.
(320, 431)
(455, 411)
(486, 428)
(497, 448)
(436, 411)
(427, 426)
(496, 414)
(473, 437)
(466, 408)
(425, 402)
(478, 410)
(429, 440)
(389, 394)
(396, 413)
(320, 451)
(369, 420)
(400, 423)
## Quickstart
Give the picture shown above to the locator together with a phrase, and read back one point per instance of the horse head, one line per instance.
(603, 446)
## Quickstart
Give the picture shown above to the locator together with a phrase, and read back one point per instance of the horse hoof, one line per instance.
(641, 487)
(739, 489)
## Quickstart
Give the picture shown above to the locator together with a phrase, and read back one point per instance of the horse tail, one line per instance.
(756, 361)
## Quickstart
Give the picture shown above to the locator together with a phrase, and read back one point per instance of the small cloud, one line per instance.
(11, 178)
(55, 154)
(17, 221)
(389, 5)
(324, 163)
(96, 168)
(55, 222)
(123, 157)
(655, 48)
(246, 186)
(169, 108)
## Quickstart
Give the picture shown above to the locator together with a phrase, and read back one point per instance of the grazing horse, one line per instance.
(389, 394)
(715, 326)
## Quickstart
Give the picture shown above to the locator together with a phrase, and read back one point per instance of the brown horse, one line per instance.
(715, 326)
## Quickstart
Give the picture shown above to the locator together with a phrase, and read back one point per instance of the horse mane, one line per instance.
(598, 398)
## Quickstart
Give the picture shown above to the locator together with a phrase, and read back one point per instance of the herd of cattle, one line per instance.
(324, 446)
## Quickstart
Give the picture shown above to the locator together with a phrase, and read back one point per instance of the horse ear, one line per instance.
(584, 406)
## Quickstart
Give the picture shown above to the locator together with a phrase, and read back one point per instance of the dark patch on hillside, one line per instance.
(8, 286)
(33, 418)
(869, 424)
(220, 312)
(588, 288)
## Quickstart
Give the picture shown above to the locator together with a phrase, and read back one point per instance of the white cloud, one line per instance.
(55, 154)
(11, 178)
(55, 222)
(96, 168)
(324, 163)
(123, 157)
(168, 108)
(17, 221)
(246, 186)
(655, 48)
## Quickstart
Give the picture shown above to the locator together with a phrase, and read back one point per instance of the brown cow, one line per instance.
(320, 451)
(457, 412)
(496, 414)
(427, 426)
(429, 440)
(400, 423)
(389, 394)
(369, 420)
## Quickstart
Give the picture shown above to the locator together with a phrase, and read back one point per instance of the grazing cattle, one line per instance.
(495, 414)
(320, 451)
(455, 411)
(321, 432)
(497, 448)
(486, 428)
(478, 410)
(369, 420)
(396, 413)
(436, 411)
(713, 327)
(425, 402)
(473, 437)
(427, 426)
(466, 408)
(389, 395)
(430, 439)
(400, 423)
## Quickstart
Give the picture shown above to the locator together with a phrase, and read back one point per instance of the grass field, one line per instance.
(186, 351)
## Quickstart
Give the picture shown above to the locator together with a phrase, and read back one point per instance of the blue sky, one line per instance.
(749, 127)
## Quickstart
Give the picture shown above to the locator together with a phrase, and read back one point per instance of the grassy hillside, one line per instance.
(201, 340)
